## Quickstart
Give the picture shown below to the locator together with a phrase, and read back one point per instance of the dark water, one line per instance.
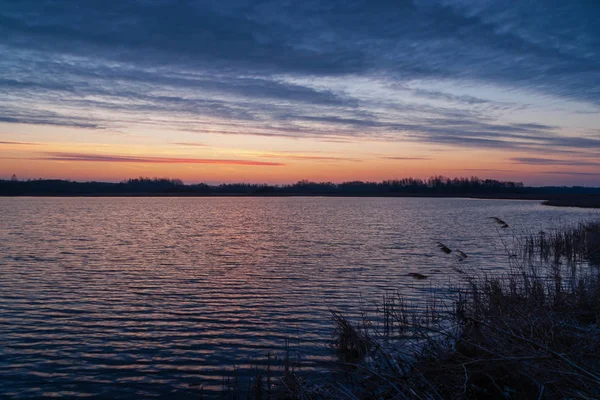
(135, 297)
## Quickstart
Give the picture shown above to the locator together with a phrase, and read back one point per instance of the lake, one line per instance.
(133, 297)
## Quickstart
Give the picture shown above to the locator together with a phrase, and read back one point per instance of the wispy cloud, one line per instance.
(552, 161)
(592, 174)
(405, 158)
(486, 170)
(19, 143)
(302, 157)
(43, 119)
(86, 157)
(553, 48)
(303, 69)
(189, 144)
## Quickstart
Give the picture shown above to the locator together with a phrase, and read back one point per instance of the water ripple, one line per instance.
(130, 298)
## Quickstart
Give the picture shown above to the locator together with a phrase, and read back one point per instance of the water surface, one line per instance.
(130, 297)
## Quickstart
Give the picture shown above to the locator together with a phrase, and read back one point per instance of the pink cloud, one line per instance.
(83, 157)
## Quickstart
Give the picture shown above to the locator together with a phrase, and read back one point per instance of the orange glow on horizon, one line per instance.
(226, 158)
(85, 162)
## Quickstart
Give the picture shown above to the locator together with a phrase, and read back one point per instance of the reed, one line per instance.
(573, 245)
(531, 333)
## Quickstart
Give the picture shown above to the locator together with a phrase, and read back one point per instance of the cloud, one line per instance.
(189, 144)
(439, 95)
(547, 46)
(302, 69)
(85, 157)
(406, 158)
(485, 170)
(552, 161)
(302, 157)
(571, 173)
(44, 119)
(19, 143)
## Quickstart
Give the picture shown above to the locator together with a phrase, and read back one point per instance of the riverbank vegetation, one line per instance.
(575, 201)
(436, 186)
(532, 333)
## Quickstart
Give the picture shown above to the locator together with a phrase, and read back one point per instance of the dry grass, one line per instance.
(533, 333)
(589, 201)
(573, 245)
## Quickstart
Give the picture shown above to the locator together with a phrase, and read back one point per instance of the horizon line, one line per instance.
(284, 184)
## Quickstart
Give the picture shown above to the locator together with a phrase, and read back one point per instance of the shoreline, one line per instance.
(593, 203)
(419, 195)
(553, 200)
(533, 334)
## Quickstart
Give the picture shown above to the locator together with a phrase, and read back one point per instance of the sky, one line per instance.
(278, 91)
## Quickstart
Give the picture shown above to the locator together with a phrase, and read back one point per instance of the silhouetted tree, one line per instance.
(434, 186)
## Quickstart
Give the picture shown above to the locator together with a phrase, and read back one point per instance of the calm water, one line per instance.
(130, 297)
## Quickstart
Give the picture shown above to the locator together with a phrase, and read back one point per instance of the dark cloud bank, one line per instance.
(263, 67)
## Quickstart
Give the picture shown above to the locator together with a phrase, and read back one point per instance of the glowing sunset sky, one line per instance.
(277, 91)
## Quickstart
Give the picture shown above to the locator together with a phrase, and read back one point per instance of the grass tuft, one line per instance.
(533, 333)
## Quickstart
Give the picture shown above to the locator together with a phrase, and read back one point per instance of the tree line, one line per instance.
(434, 186)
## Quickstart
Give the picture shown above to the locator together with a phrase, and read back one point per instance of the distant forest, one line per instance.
(434, 186)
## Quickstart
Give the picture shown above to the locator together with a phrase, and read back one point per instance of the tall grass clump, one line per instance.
(531, 333)
(274, 377)
(575, 244)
